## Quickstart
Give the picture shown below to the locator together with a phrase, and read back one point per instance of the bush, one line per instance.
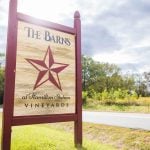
(84, 96)
(105, 95)
(118, 97)
(99, 96)
(91, 93)
(1, 85)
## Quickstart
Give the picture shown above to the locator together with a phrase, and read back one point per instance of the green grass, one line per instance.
(143, 106)
(59, 136)
(46, 137)
(118, 137)
(118, 108)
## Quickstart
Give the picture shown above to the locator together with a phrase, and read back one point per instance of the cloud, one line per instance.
(110, 25)
(3, 38)
(97, 39)
(116, 31)
(3, 12)
(3, 24)
(129, 21)
(134, 59)
(2, 47)
(125, 29)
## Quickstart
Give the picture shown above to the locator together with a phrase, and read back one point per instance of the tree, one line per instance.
(86, 63)
(99, 76)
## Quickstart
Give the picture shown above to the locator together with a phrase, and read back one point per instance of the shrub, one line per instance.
(84, 96)
(118, 97)
(1, 85)
(105, 95)
(91, 93)
(99, 96)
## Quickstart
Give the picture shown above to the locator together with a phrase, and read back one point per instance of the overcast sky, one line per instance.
(114, 31)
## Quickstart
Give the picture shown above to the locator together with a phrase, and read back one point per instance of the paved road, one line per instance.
(129, 120)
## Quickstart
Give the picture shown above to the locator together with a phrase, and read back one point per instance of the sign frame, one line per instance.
(8, 119)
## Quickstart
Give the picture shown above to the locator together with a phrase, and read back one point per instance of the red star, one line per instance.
(48, 69)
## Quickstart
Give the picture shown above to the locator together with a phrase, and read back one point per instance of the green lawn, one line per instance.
(45, 137)
(59, 136)
(117, 108)
(141, 105)
(119, 137)
(48, 138)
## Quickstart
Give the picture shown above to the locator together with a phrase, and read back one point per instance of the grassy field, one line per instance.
(46, 137)
(120, 138)
(117, 108)
(43, 137)
(59, 136)
(140, 105)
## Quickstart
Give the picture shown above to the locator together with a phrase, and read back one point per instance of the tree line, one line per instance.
(99, 77)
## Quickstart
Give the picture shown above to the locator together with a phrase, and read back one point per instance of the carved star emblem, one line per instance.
(48, 70)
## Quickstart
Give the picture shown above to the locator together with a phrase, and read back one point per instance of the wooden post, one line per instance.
(78, 123)
(9, 76)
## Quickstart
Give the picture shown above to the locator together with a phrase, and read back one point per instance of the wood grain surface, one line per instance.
(47, 98)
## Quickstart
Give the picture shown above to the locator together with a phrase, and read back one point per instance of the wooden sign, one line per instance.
(45, 71)
(42, 75)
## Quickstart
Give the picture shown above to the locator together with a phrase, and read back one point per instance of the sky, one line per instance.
(114, 31)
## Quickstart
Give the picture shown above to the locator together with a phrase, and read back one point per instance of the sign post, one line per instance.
(43, 74)
(78, 122)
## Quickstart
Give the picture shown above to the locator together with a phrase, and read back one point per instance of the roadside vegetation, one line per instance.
(118, 137)
(106, 88)
(129, 104)
(2, 55)
(95, 106)
(1, 85)
(59, 136)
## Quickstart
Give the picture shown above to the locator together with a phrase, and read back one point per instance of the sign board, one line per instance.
(45, 71)
(42, 75)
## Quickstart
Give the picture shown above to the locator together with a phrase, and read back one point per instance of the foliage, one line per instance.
(104, 82)
(113, 96)
(84, 96)
(1, 85)
(103, 76)
(139, 105)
